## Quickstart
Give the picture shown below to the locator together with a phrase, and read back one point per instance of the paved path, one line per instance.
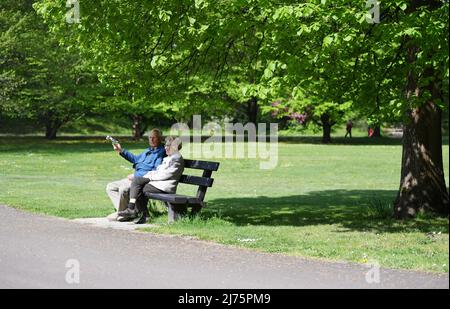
(34, 250)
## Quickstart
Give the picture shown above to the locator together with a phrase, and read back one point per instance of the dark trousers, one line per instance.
(139, 185)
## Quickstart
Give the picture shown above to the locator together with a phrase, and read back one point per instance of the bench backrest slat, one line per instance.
(201, 165)
(204, 181)
(197, 180)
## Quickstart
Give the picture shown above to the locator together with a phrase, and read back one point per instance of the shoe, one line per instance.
(112, 217)
(142, 219)
(128, 213)
(123, 219)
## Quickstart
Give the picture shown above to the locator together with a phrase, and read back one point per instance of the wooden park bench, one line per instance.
(177, 204)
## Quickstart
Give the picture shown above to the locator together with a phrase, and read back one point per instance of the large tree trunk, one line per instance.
(138, 127)
(326, 128)
(422, 182)
(376, 132)
(50, 131)
(252, 110)
(51, 125)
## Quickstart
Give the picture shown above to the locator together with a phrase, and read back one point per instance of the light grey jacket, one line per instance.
(167, 174)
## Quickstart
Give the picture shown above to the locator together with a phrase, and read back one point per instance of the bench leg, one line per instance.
(195, 210)
(176, 211)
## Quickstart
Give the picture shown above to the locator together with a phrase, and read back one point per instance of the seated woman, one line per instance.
(163, 180)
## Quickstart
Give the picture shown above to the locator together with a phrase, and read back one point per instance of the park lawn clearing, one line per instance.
(321, 201)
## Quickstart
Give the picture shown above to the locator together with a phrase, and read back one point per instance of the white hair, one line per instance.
(157, 132)
(174, 142)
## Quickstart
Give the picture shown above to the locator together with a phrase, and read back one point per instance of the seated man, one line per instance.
(163, 180)
(149, 160)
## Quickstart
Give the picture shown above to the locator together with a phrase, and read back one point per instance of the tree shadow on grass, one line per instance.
(355, 141)
(351, 209)
(66, 145)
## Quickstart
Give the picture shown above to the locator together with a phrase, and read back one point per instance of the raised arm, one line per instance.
(127, 155)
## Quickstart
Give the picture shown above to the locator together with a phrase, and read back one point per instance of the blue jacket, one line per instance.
(146, 161)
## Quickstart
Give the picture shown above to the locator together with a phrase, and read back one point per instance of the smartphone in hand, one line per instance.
(112, 140)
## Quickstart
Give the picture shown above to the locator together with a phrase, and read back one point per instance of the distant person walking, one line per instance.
(349, 127)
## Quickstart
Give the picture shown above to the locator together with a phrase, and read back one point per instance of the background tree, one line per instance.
(398, 65)
(44, 81)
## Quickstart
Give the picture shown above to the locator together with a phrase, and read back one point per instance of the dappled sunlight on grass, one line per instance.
(346, 208)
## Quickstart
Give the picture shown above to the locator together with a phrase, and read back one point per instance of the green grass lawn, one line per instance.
(321, 201)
